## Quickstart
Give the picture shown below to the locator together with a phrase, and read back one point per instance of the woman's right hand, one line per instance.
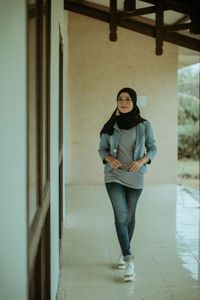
(115, 164)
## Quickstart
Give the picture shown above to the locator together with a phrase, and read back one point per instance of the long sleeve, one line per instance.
(150, 142)
(104, 146)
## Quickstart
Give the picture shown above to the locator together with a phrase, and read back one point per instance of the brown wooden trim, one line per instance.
(48, 84)
(36, 229)
(134, 25)
(39, 279)
(31, 11)
(60, 199)
(172, 5)
(39, 230)
(48, 254)
(138, 26)
(129, 5)
(182, 40)
(176, 27)
(40, 98)
(43, 104)
(113, 20)
(36, 37)
(138, 12)
(60, 134)
(178, 7)
(149, 1)
(60, 155)
(159, 26)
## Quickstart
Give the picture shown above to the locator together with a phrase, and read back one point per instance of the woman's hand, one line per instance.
(115, 164)
(137, 164)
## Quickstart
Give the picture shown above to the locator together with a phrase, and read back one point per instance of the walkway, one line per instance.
(166, 247)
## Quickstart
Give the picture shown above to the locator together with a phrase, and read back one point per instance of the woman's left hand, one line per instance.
(135, 166)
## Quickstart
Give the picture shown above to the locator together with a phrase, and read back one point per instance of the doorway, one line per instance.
(38, 145)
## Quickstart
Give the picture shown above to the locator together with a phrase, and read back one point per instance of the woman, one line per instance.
(127, 144)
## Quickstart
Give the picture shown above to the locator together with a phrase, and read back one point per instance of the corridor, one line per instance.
(165, 245)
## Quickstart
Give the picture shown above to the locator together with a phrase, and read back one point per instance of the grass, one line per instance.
(188, 173)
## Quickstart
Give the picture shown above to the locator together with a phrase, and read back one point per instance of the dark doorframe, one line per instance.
(60, 135)
(38, 148)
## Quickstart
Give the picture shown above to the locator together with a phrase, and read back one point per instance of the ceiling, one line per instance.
(174, 21)
(170, 16)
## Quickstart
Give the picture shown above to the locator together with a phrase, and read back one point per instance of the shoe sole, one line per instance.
(121, 266)
(128, 278)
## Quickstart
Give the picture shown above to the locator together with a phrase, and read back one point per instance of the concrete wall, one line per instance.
(13, 210)
(98, 68)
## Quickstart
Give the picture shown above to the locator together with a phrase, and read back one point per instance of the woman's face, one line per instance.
(124, 103)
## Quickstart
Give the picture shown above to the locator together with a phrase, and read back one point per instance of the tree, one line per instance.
(188, 112)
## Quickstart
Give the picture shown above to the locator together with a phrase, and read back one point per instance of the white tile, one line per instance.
(95, 276)
(179, 269)
(104, 293)
(181, 280)
(165, 245)
(87, 248)
(185, 293)
(75, 294)
(132, 292)
(146, 269)
(73, 270)
(172, 255)
(85, 260)
(151, 281)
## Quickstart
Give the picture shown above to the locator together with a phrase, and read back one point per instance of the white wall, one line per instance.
(59, 17)
(13, 232)
(13, 160)
(98, 68)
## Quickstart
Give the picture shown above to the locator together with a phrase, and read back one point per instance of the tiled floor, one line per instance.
(166, 247)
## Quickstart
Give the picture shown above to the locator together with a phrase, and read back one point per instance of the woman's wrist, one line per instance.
(107, 158)
(144, 159)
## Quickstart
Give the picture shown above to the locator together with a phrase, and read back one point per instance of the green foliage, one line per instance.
(188, 112)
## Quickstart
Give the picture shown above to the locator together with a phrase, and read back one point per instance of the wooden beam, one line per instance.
(159, 26)
(138, 12)
(178, 6)
(137, 26)
(113, 20)
(31, 11)
(173, 5)
(129, 5)
(182, 40)
(149, 1)
(176, 27)
(133, 25)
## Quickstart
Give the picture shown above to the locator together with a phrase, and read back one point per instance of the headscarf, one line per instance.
(124, 120)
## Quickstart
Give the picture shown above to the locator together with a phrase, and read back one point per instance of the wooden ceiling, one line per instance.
(184, 32)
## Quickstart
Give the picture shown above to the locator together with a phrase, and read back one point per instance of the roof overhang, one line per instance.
(147, 20)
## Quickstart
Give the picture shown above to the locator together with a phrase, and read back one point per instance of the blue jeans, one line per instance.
(124, 201)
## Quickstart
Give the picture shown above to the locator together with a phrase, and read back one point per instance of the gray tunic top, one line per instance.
(125, 156)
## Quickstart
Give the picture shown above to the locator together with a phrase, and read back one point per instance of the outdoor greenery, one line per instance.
(188, 173)
(188, 126)
(188, 115)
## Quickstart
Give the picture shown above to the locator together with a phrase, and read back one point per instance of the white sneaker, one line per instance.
(129, 272)
(121, 263)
